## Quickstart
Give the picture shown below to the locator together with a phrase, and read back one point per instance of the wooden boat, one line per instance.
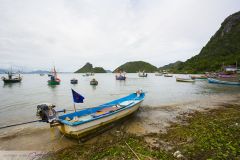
(218, 81)
(120, 76)
(184, 80)
(54, 80)
(90, 120)
(168, 75)
(11, 78)
(94, 82)
(199, 77)
(74, 81)
(142, 74)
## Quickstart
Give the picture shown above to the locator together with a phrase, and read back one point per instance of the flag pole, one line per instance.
(74, 107)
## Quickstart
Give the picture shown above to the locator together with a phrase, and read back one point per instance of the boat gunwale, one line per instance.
(216, 81)
(65, 122)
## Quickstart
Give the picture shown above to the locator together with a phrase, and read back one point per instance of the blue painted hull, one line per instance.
(212, 80)
(93, 120)
(133, 99)
(120, 78)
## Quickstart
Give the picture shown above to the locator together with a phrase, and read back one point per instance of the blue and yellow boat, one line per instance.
(82, 123)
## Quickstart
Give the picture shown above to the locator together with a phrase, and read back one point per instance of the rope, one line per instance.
(18, 124)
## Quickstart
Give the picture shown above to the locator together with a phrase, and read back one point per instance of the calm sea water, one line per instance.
(18, 101)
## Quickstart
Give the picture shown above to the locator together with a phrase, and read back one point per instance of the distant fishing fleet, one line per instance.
(228, 76)
(86, 121)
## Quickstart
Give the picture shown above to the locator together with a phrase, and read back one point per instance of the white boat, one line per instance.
(184, 80)
(168, 75)
(142, 74)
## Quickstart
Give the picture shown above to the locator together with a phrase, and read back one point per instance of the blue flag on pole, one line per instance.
(77, 98)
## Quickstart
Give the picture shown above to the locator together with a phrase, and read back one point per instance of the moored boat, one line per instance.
(54, 80)
(142, 74)
(168, 75)
(184, 80)
(82, 123)
(12, 78)
(225, 81)
(94, 82)
(74, 81)
(120, 76)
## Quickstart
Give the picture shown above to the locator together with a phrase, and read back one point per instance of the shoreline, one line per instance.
(147, 123)
(212, 133)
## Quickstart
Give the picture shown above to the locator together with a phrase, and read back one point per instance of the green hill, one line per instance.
(135, 66)
(223, 47)
(171, 66)
(88, 67)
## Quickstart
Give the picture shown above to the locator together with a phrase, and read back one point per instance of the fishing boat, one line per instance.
(12, 78)
(94, 82)
(41, 74)
(54, 80)
(142, 74)
(184, 80)
(120, 76)
(74, 81)
(82, 123)
(168, 75)
(218, 81)
(199, 77)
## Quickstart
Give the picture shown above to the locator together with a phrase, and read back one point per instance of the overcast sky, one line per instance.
(37, 34)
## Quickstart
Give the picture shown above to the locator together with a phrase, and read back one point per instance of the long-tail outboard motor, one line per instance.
(47, 113)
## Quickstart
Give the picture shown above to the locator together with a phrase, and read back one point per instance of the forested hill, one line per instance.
(135, 66)
(88, 67)
(222, 48)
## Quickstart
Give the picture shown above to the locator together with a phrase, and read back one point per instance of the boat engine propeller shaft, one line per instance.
(48, 114)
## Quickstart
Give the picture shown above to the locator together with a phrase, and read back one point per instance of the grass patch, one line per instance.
(214, 134)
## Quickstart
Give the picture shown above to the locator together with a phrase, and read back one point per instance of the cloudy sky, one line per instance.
(37, 34)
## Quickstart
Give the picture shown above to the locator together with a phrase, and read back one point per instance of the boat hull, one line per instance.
(91, 127)
(53, 82)
(94, 83)
(184, 80)
(12, 80)
(120, 78)
(212, 80)
(167, 75)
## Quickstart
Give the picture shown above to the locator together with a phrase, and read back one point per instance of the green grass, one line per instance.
(214, 134)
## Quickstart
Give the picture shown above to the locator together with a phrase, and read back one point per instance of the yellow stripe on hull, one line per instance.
(93, 126)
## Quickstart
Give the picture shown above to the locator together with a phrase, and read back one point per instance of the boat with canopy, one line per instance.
(54, 80)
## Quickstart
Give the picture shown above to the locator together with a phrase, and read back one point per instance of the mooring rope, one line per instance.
(18, 124)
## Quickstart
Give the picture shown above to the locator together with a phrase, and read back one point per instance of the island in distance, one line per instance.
(88, 68)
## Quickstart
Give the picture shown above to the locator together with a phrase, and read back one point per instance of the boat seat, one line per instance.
(126, 103)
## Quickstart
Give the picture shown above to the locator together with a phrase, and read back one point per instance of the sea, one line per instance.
(18, 102)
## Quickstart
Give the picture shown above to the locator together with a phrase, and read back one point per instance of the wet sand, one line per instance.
(148, 120)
